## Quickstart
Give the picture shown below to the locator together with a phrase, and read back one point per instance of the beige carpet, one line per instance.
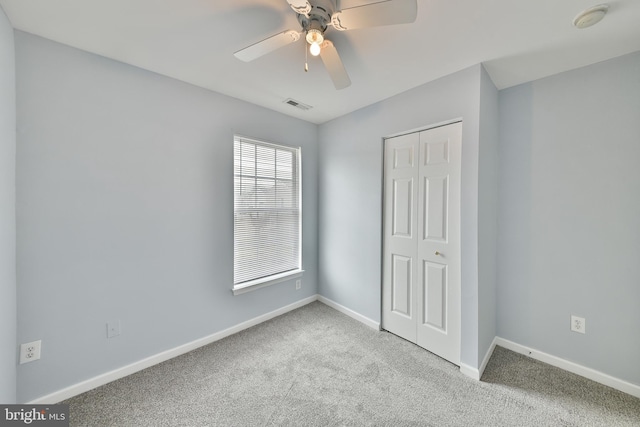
(316, 367)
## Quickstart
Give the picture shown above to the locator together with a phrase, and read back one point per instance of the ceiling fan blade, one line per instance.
(389, 12)
(300, 6)
(267, 45)
(333, 64)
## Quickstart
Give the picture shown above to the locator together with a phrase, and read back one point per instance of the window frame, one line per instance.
(257, 283)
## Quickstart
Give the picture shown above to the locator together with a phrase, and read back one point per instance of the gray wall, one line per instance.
(350, 198)
(7, 213)
(487, 215)
(569, 236)
(125, 211)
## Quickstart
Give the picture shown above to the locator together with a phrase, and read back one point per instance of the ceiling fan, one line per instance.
(315, 16)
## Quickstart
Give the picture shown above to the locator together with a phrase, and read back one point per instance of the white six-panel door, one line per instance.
(400, 235)
(421, 254)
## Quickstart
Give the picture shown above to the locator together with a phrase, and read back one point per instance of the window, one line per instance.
(267, 214)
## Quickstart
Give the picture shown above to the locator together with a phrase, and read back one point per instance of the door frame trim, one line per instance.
(423, 128)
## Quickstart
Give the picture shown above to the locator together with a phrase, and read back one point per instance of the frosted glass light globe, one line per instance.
(314, 49)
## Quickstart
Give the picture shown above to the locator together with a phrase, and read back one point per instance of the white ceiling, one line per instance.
(194, 41)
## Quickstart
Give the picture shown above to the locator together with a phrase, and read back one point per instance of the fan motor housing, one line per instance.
(319, 17)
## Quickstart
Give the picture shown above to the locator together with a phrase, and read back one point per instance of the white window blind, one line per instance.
(267, 211)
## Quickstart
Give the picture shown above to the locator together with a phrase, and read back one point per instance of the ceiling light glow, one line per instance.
(314, 49)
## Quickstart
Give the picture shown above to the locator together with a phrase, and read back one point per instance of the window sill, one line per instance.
(266, 281)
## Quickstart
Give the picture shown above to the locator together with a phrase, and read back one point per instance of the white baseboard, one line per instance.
(81, 387)
(357, 316)
(592, 374)
(470, 372)
(487, 356)
(108, 377)
(474, 373)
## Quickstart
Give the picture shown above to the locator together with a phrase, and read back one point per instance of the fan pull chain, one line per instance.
(306, 65)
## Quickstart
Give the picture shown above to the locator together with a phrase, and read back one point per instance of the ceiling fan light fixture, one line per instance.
(314, 49)
(315, 39)
(314, 19)
(314, 36)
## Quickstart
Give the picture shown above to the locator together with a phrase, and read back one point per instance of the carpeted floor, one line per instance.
(316, 367)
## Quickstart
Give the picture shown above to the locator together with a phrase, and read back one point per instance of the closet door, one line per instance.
(400, 235)
(438, 249)
(421, 248)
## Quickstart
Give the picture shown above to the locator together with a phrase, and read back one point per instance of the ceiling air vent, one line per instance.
(300, 105)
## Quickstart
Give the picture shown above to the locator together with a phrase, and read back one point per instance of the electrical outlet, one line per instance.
(298, 284)
(30, 351)
(578, 324)
(113, 328)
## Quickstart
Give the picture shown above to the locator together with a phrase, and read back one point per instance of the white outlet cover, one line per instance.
(578, 324)
(30, 351)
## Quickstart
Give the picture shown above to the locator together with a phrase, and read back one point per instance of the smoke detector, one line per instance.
(590, 16)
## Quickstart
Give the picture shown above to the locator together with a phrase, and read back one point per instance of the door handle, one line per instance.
(438, 253)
